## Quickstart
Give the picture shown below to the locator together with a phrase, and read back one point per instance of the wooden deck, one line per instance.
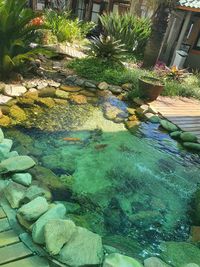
(183, 112)
(13, 252)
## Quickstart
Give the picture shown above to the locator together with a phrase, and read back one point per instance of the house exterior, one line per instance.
(183, 33)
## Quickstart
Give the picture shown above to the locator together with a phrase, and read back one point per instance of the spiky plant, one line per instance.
(16, 34)
(107, 49)
(131, 30)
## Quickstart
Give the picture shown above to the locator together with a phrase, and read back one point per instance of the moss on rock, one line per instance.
(46, 102)
(17, 114)
(5, 121)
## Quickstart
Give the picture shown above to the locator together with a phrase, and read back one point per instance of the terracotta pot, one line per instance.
(150, 88)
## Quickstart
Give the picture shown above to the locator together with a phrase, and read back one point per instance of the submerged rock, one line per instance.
(20, 163)
(35, 191)
(118, 260)
(34, 209)
(22, 178)
(5, 146)
(1, 135)
(193, 146)
(57, 233)
(56, 212)
(154, 262)
(17, 114)
(84, 248)
(180, 253)
(14, 193)
(79, 99)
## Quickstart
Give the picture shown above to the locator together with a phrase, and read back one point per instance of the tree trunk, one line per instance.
(159, 27)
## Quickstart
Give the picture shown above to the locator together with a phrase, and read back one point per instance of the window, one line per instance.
(197, 44)
(80, 9)
(95, 13)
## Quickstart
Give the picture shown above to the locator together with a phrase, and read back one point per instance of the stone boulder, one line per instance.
(35, 191)
(180, 253)
(118, 260)
(47, 92)
(83, 249)
(152, 117)
(57, 233)
(168, 126)
(62, 94)
(14, 193)
(5, 146)
(115, 89)
(175, 134)
(14, 90)
(78, 99)
(188, 137)
(1, 135)
(154, 262)
(103, 86)
(22, 178)
(4, 99)
(16, 164)
(56, 212)
(71, 89)
(193, 146)
(17, 113)
(34, 209)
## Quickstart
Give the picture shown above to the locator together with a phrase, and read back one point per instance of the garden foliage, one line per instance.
(131, 30)
(16, 34)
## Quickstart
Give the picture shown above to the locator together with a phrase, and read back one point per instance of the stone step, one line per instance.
(4, 225)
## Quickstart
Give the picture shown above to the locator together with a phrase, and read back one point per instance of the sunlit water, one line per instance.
(134, 189)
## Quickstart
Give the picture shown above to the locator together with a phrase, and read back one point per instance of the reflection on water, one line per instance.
(133, 189)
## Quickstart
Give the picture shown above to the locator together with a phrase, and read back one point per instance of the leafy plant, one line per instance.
(17, 31)
(107, 48)
(172, 73)
(64, 27)
(131, 30)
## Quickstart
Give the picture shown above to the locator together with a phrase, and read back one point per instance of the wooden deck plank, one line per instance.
(4, 225)
(183, 112)
(2, 213)
(8, 238)
(33, 261)
(14, 252)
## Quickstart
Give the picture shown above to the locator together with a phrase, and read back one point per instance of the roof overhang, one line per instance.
(192, 9)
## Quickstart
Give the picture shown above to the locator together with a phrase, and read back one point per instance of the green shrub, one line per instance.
(99, 70)
(64, 27)
(131, 30)
(107, 49)
(16, 33)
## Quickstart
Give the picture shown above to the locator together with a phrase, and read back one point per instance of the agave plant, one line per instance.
(131, 30)
(107, 48)
(17, 31)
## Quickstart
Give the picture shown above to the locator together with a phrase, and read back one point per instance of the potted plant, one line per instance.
(150, 88)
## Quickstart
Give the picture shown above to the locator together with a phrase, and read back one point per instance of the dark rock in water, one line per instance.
(46, 177)
(180, 253)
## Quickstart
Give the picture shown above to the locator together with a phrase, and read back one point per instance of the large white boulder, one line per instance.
(34, 209)
(20, 163)
(14, 90)
(56, 212)
(57, 233)
(83, 249)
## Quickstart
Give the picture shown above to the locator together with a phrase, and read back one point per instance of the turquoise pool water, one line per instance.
(134, 189)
